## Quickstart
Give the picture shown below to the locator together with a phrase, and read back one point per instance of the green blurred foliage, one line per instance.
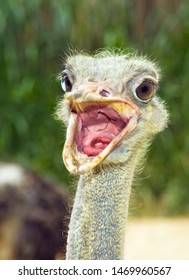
(34, 37)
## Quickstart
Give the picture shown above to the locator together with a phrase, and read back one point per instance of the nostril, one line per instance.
(104, 93)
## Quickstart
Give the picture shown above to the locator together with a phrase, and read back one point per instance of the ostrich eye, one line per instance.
(66, 83)
(145, 91)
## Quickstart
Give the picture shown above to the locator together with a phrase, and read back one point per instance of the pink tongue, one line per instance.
(96, 146)
(96, 129)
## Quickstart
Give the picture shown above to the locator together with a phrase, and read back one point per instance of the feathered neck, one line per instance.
(98, 221)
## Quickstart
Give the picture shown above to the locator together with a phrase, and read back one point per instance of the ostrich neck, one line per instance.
(98, 220)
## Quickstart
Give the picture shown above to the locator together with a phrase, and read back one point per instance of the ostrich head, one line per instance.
(111, 109)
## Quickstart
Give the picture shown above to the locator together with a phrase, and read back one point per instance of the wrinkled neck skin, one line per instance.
(98, 221)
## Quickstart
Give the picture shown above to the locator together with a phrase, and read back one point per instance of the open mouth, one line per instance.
(95, 130)
(97, 126)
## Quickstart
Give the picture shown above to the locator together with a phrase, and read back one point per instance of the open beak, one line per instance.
(97, 126)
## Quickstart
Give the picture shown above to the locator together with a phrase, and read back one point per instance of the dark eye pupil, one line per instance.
(68, 84)
(145, 90)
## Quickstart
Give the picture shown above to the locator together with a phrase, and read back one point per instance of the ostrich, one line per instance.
(33, 215)
(112, 112)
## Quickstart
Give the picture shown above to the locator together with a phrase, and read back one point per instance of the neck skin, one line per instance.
(98, 220)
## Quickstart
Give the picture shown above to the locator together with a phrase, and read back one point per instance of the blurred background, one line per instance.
(34, 37)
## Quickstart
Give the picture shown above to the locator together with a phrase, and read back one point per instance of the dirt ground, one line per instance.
(157, 238)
